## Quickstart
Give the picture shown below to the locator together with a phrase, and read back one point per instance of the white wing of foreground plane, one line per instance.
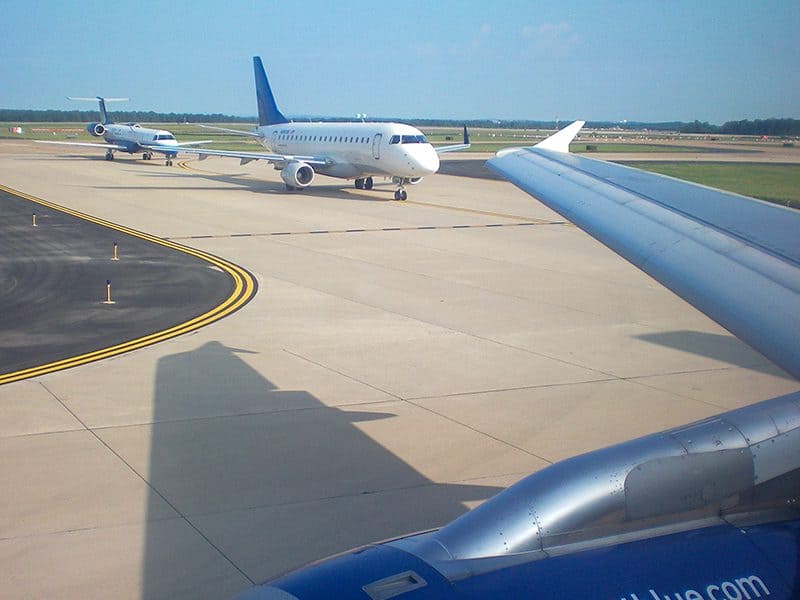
(734, 258)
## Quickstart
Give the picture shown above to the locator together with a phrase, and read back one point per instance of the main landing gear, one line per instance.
(147, 156)
(364, 183)
(400, 193)
(109, 155)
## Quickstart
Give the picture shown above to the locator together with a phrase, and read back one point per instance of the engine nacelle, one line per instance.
(297, 174)
(96, 129)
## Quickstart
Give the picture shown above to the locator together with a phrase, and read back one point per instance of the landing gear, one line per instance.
(109, 155)
(168, 162)
(364, 183)
(400, 193)
(147, 156)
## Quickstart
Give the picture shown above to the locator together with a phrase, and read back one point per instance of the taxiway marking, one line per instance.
(245, 288)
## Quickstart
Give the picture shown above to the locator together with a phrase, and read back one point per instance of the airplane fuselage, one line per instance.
(134, 138)
(355, 149)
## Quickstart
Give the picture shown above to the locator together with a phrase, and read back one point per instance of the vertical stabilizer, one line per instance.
(268, 113)
(103, 112)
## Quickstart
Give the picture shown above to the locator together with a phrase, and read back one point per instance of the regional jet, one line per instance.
(707, 511)
(128, 137)
(351, 150)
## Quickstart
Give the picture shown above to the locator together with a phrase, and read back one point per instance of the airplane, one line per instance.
(706, 511)
(128, 137)
(349, 150)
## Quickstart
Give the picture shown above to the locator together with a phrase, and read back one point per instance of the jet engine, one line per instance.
(297, 175)
(96, 129)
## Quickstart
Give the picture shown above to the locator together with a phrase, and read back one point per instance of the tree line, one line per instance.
(770, 127)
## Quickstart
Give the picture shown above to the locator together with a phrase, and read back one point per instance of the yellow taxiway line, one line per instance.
(244, 289)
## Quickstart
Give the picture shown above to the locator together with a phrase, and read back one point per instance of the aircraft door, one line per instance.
(376, 146)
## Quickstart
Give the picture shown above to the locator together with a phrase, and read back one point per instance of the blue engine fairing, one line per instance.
(714, 563)
(96, 129)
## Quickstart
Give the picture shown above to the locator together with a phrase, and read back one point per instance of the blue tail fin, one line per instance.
(268, 113)
(103, 113)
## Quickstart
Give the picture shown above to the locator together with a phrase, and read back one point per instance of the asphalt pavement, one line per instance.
(54, 291)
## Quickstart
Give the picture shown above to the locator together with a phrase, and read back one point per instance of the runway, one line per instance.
(401, 363)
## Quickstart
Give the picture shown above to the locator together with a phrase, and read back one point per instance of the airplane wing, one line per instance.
(182, 144)
(734, 258)
(455, 147)
(89, 144)
(247, 157)
(233, 131)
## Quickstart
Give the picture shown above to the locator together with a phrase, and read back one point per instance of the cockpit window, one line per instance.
(395, 139)
(414, 139)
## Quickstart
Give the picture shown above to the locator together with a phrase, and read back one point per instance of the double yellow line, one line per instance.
(244, 289)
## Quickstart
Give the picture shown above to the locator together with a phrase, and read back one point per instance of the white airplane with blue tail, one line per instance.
(128, 137)
(355, 150)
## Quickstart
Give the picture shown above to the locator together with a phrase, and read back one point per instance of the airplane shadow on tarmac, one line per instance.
(323, 186)
(264, 479)
(724, 348)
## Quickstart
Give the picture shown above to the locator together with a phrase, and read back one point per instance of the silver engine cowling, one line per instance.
(297, 174)
(96, 129)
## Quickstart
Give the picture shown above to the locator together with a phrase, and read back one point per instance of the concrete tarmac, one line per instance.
(401, 363)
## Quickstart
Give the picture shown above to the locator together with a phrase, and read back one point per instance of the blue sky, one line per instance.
(646, 61)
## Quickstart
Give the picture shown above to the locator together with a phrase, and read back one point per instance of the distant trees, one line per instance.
(770, 127)
(121, 116)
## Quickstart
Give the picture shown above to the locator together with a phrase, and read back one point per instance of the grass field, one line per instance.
(774, 183)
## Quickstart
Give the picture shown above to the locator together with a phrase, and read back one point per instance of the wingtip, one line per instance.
(560, 140)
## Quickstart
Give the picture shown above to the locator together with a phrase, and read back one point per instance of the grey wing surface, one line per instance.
(734, 258)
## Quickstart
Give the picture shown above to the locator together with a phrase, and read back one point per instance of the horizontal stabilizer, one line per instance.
(455, 147)
(96, 98)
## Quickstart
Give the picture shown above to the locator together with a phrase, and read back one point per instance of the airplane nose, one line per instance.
(429, 161)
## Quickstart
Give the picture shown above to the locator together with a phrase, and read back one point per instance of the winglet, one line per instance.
(466, 136)
(560, 140)
(268, 113)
